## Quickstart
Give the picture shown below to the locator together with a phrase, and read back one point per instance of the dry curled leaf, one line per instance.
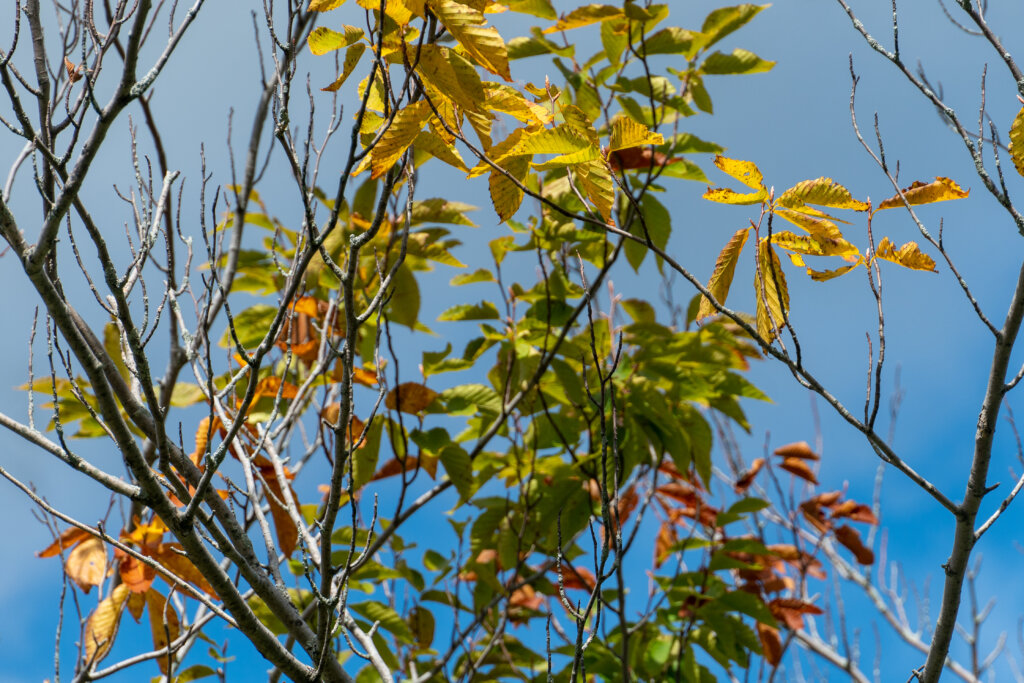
(850, 538)
(410, 397)
(799, 468)
(747, 478)
(800, 449)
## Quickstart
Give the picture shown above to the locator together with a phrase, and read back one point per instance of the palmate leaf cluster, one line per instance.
(566, 440)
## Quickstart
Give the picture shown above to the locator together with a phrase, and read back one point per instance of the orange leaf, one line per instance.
(926, 193)
(790, 611)
(68, 538)
(771, 644)
(577, 577)
(270, 385)
(410, 397)
(850, 538)
(637, 157)
(287, 532)
(137, 575)
(858, 512)
(101, 628)
(797, 450)
(164, 623)
(395, 466)
(136, 603)
(663, 544)
(172, 556)
(747, 478)
(799, 468)
(87, 563)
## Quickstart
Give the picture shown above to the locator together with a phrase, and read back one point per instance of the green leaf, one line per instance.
(459, 468)
(484, 310)
(251, 326)
(1017, 142)
(323, 40)
(388, 618)
(364, 460)
(724, 20)
(194, 673)
(739, 62)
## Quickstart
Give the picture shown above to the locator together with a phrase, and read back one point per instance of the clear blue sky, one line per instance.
(794, 123)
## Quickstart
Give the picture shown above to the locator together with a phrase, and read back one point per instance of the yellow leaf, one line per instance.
(508, 100)
(324, 5)
(352, 55)
(812, 246)
(403, 130)
(584, 16)
(483, 44)
(724, 195)
(501, 153)
(398, 10)
(721, 277)
(941, 190)
(446, 152)
(1017, 142)
(323, 40)
(820, 228)
(744, 171)
(410, 397)
(820, 191)
(505, 194)
(595, 180)
(101, 628)
(771, 291)
(628, 133)
(164, 623)
(562, 139)
(908, 256)
(87, 563)
(823, 275)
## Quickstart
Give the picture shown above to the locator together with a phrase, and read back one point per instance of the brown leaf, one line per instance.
(800, 449)
(101, 628)
(164, 623)
(74, 72)
(68, 538)
(858, 512)
(771, 644)
(850, 538)
(790, 611)
(637, 157)
(664, 543)
(747, 478)
(799, 468)
(395, 466)
(269, 386)
(577, 577)
(87, 563)
(410, 397)
(287, 532)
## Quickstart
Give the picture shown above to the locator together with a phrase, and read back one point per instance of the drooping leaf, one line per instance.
(483, 44)
(771, 292)
(164, 624)
(101, 628)
(850, 538)
(799, 449)
(68, 538)
(585, 16)
(1017, 142)
(811, 246)
(459, 469)
(721, 277)
(324, 5)
(724, 195)
(908, 256)
(403, 130)
(673, 41)
(595, 181)
(352, 55)
(87, 563)
(724, 20)
(943, 189)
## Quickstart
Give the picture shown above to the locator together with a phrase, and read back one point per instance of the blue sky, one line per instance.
(794, 123)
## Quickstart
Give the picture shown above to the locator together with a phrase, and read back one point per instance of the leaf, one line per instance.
(799, 468)
(850, 538)
(323, 40)
(164, 624)
(101, 628)
(790, 611)
(824, 275)
(744, 171)
(808, 244)
(506, 195)
(771, 644)
(324, 5)
(858, 512)
(173, 557)
(724, 20)
(943, 189)
(365, 458)
(410, 397)
(771, 292)
(1017, 142)
(819, 228)
(483, 44)
(673, 41)
(800, 449)
(459, 468)
(664, 543)
(87, 563)
(136, 574)
(68, 538)
(284, 525)
(485, 310)
(396, 139)
(739, 62)
(821, 192)
(628, 133)
(585, 16)
(908, 256)
(747, 478)
(721, 277)
(595, 181)
(352, 55)
(421, 626)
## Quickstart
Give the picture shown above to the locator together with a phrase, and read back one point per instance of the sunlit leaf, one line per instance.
(483, 44)
(352, 55)
(595, 181)
(822, 192)
(459, 469)
(628, 133)
(799, 468)
(771, 292)
(68, 538)
(324, 5)
(724, 20)
(410, 397)
(1017, 142)
(87, 563)
(101, 628)
(799, 449)
(943, 189)
(744, 171)
(164, 625)
(584, 16)
(811, 246)
(739, 62)
(850, 538)
(402, 132)
(322, 40)
(908, 256)
(724, 195)
(721, 277)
